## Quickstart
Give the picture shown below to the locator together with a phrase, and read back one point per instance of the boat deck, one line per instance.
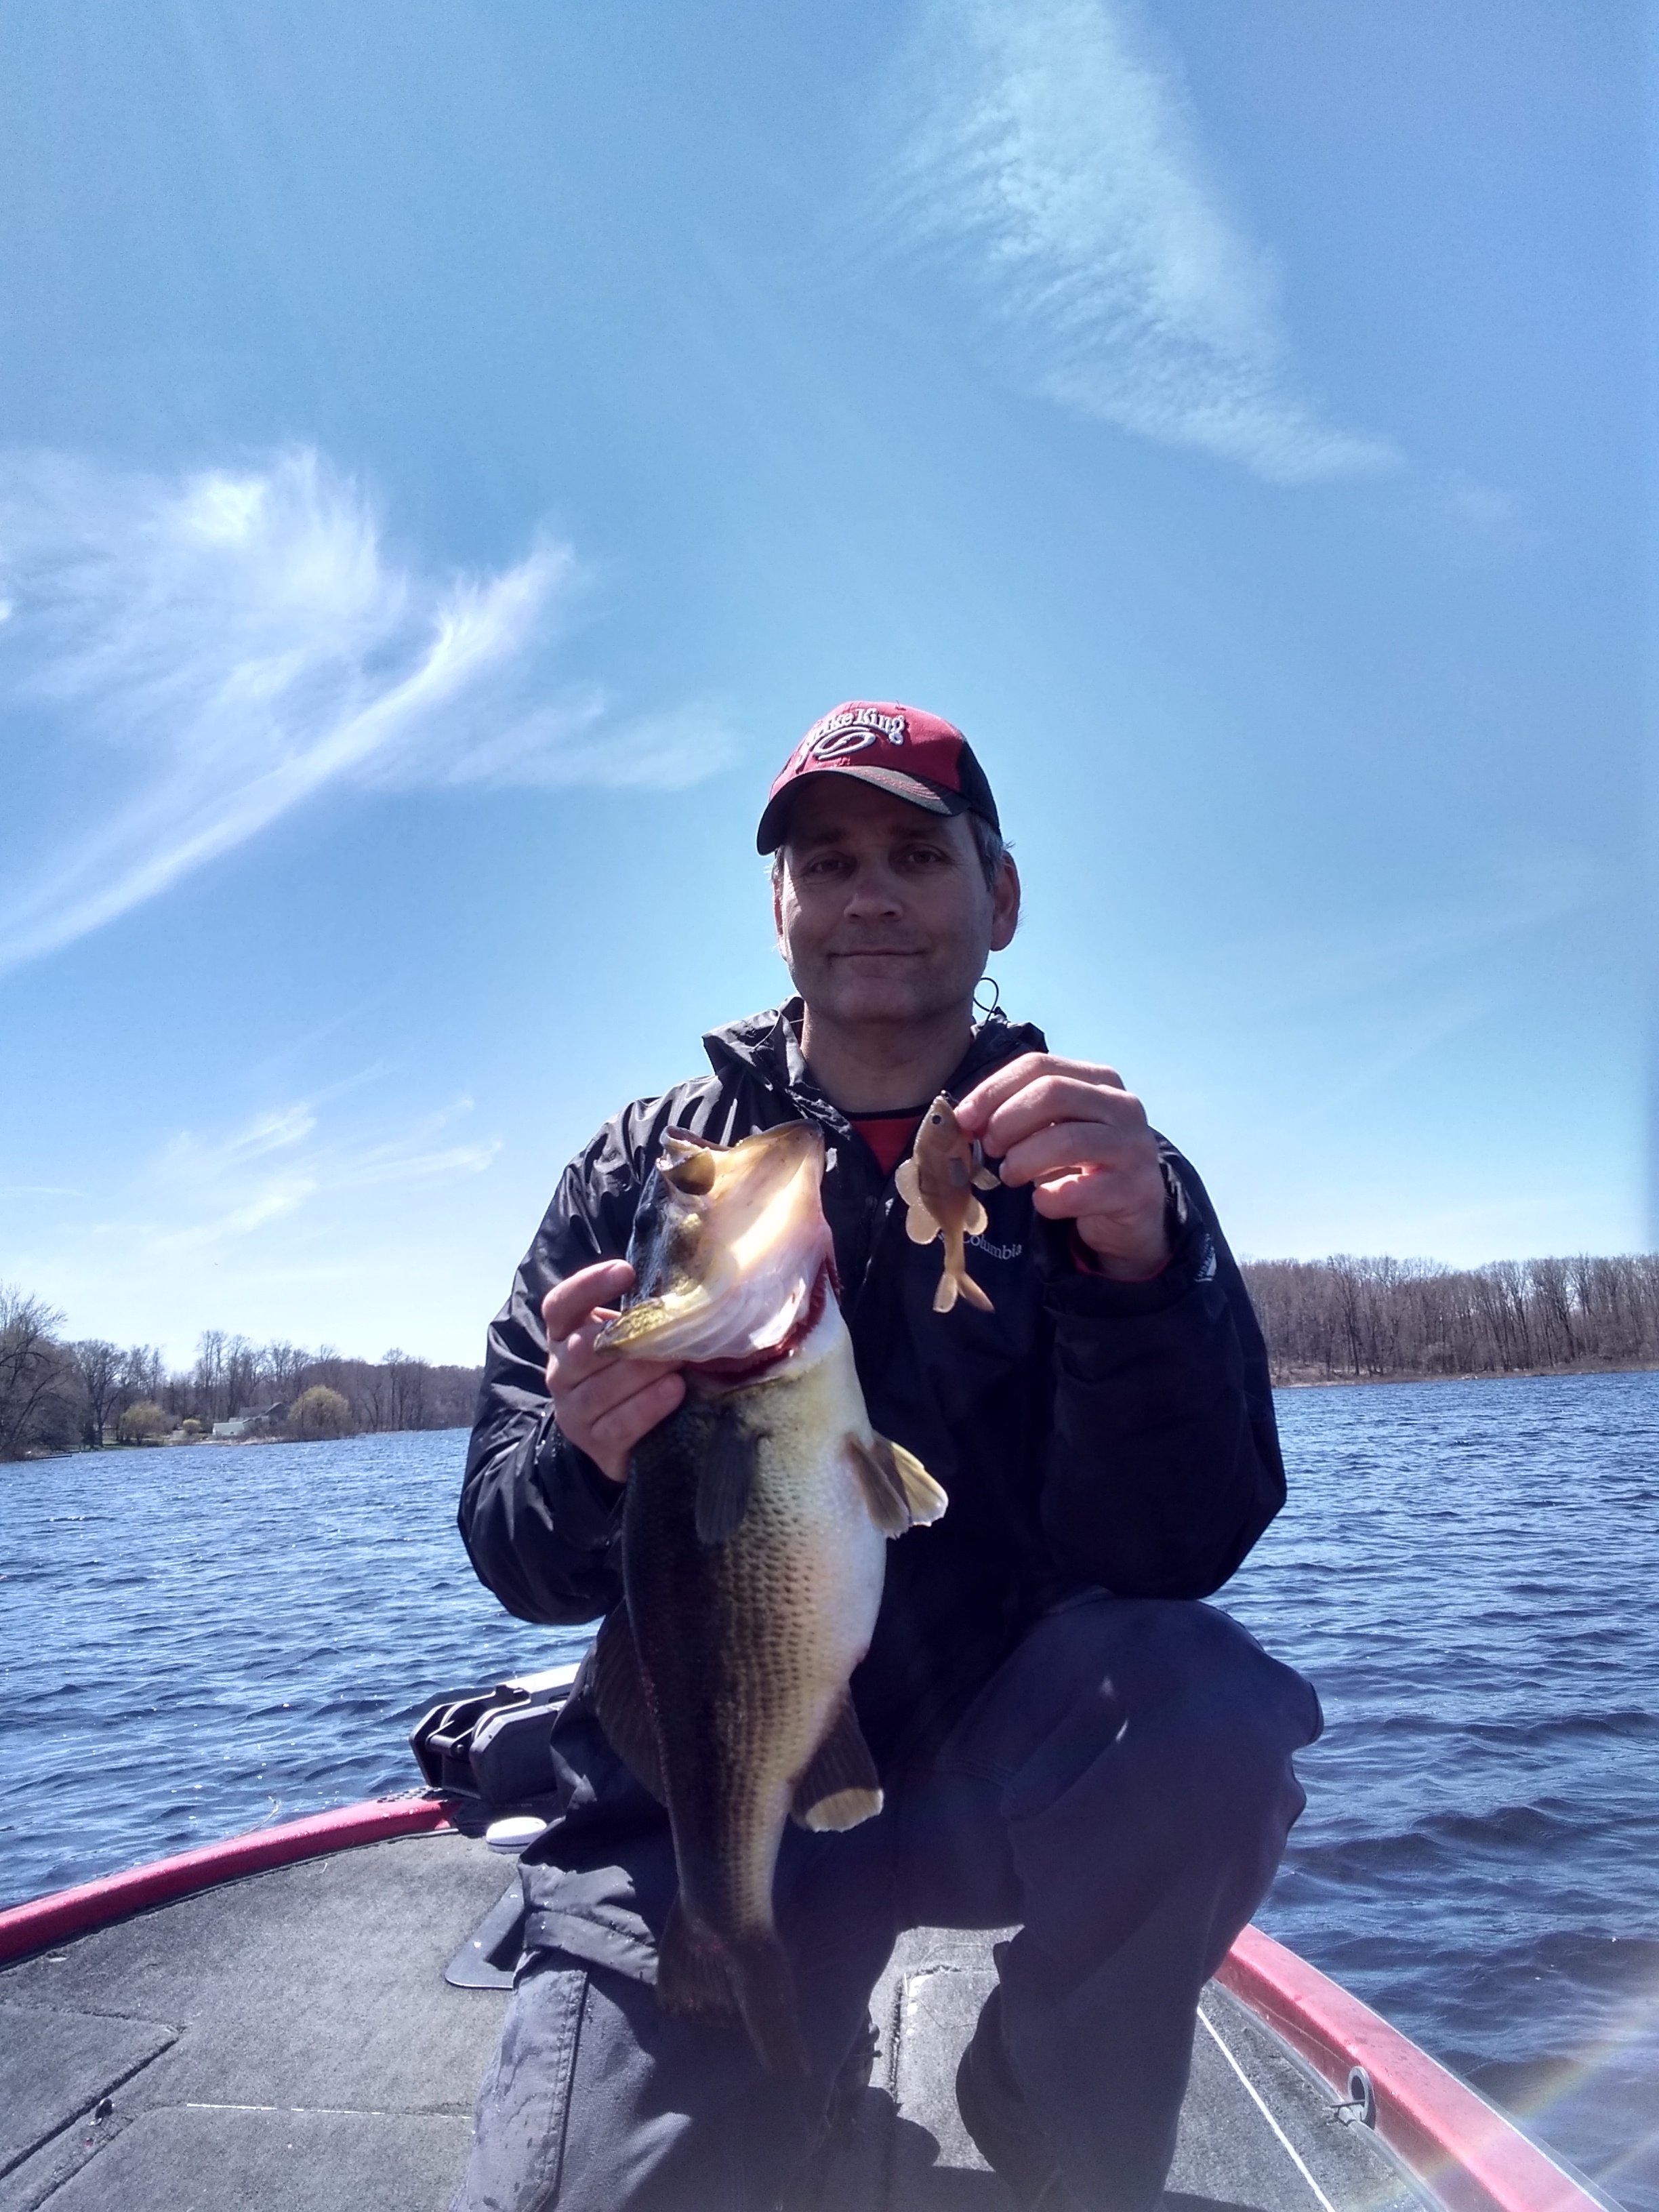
(286, 2042)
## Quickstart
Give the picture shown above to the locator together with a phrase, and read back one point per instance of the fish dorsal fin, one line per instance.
(897, 1488)
(619, 1694)
(977, 1221)
(985, 1179)
(907, 1182)
(841, 1786)
(725, 1476)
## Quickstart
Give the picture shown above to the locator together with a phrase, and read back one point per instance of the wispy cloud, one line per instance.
(1061, 168)
(202, 1190)
(202, 653)
(1384, 955)
(292, 1221)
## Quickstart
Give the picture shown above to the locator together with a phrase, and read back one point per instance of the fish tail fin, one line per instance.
(948, 1283)
(975, 1295)
(765, 1990)
(692, 1967)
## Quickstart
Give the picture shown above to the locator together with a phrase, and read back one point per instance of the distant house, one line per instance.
(251, 1422)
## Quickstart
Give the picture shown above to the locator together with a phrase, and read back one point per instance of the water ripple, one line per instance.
(1466, 1570)
(192, 1643)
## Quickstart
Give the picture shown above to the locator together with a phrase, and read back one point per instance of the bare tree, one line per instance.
(1384, 1316)
(99, 1366)
(37, 1378)
(282, 1369)
(144, 1373)
(209, 1378)
(240, 1376)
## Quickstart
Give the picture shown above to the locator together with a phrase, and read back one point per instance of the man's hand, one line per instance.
(1073, 1131)
(602, 1402)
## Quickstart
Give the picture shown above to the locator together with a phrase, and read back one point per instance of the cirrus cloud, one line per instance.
(196, 655)
(1060, 171)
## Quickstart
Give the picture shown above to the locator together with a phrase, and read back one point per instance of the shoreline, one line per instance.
(1474, 1375)
(219, 1444)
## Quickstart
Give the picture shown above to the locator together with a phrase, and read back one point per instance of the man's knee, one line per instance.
(1131, 1686)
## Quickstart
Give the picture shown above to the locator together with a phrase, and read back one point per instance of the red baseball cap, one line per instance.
(898, 749)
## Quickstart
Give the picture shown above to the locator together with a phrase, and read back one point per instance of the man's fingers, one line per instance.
(1064, 1101)
(569, 1303)
(1003, 1083)
(1061, 1147)
(614, 1433)
(589, 1394)
(1068, 1197)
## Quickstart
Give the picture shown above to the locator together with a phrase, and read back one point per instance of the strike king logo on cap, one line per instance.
(849, 729)
(917, 756)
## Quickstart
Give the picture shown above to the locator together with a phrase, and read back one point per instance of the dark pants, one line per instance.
(1121, 1790)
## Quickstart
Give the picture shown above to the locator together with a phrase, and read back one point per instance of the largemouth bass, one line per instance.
(937, 1183)
(754, 1547)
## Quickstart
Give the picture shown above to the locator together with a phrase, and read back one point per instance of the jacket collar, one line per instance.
(769, 1046)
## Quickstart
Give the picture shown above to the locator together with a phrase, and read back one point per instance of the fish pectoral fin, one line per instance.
(897, 1488)
(883, 1485)
(619, 1695)
(691, 1974)
(985, 1179)
(726, 1478)
(925, 1500)
(920, 1225)
(841, 1786)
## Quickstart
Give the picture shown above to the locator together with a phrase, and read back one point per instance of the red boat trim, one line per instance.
(92, 1904)
(1470, 2156)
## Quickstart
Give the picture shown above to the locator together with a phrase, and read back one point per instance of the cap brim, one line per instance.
(911, 788)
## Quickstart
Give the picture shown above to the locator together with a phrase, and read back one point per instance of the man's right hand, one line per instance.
(602, 1402)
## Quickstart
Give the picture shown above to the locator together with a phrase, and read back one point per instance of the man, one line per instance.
(1069, 1744)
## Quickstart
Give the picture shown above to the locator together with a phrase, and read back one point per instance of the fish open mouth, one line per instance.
(742, 1367)
(731, 1255)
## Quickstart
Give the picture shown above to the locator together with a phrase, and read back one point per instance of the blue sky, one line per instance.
(450, 451)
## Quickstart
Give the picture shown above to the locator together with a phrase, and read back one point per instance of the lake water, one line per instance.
(195, 1642)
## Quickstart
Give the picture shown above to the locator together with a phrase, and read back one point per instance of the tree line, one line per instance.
(60, 1394)
(1344, 1318)
(1328, 1319)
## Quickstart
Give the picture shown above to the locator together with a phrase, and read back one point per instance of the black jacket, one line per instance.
(1087, 1431)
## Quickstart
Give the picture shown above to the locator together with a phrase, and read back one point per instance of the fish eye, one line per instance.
(938, 1119)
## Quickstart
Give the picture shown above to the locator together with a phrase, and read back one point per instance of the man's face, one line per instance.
(883, 911)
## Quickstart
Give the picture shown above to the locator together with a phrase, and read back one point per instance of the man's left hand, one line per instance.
(1071, 1129)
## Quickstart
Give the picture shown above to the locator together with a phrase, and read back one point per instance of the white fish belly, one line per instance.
(813, 1565)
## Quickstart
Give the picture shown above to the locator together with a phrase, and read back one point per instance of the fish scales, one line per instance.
(754, 1548)
(747, 1645)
